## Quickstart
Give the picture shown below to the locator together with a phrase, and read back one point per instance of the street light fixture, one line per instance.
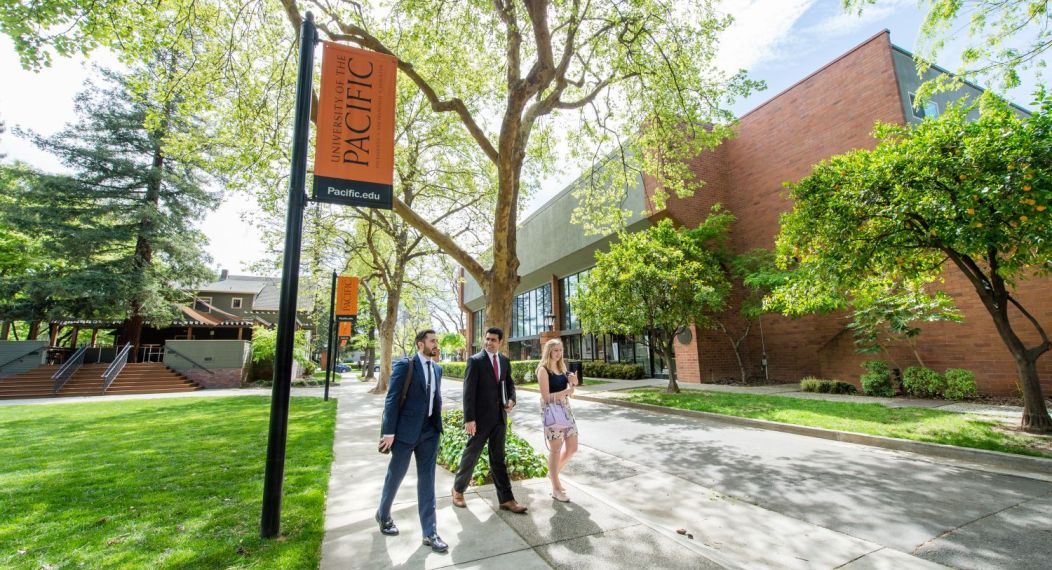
(549, 321)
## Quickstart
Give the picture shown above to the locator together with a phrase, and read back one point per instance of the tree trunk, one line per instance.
(993, 292)
(5, 330)
(1035, 411)
(134, 329)
(387, 330)
(500, 294)
(34, 330)
(670, 357)
(736, 345)
(370, 363)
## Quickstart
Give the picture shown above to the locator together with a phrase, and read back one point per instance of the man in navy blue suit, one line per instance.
(413, 428)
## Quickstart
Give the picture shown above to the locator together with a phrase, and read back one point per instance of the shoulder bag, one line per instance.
(401, 401)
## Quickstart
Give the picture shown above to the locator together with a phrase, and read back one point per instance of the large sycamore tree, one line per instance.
(624, 87)
(660, 281)
(950, 194)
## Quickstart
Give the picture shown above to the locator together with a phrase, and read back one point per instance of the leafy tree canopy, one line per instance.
(659, 280)
(974, 194)
(1004, 38)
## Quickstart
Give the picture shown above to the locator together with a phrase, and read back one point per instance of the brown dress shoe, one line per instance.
(458, 500)
(513, 506)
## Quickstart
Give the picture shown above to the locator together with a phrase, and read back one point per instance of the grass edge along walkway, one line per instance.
(917, 424)
(159, 483)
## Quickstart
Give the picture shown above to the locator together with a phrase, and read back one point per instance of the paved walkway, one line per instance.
(589, 532)
(1012, 414)
(746, 498)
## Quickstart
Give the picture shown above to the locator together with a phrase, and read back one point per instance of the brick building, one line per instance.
(829, 112)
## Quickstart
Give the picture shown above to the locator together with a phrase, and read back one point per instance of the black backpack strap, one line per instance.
(408, 381)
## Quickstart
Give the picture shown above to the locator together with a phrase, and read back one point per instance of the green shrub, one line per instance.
(841, 387)
(523, 371)
(811, 384)
(877, 380)
(522, 461)
(960, 383)
(454, 369)
(923, 382)
(616, 370)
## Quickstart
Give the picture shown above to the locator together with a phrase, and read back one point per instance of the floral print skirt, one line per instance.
(552, 434)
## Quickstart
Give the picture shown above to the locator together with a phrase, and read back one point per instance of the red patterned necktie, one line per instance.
(496, 368)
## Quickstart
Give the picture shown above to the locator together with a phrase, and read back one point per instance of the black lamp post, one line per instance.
(549, 322)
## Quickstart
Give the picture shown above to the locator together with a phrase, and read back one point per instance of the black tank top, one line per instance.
(557, 382)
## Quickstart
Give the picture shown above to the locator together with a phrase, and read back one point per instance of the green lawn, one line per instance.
(906, 423)
(173, 483)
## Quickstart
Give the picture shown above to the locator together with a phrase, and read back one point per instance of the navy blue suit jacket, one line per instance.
(407, 424)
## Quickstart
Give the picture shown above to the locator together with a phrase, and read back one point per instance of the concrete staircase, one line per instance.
(144, 378)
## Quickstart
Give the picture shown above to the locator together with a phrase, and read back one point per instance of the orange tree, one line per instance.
(971, 194)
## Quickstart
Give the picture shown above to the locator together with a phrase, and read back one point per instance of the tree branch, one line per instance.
(443, 241)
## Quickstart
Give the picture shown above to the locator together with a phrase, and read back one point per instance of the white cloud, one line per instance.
(840, 22)
(760, 27)
(41, 102)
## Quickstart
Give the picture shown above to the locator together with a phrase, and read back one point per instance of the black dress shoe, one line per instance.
(436, 543)
(386, 527)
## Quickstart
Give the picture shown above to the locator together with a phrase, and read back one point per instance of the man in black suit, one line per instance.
(489, 394)
(413, 428)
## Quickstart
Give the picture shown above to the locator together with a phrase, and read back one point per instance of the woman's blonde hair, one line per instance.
(546, 356)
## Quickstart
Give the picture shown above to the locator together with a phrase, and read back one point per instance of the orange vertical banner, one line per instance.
(354, 152)
(346, 297)
(345, 329)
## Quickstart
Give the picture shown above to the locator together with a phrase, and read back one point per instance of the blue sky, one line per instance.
(778, 41)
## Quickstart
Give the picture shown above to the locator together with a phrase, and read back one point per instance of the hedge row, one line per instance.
(522, 371)
(919, 381)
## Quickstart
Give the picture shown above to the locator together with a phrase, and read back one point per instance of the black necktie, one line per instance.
(430, 394)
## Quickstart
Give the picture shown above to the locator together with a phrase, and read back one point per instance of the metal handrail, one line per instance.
(68, 369)
(188, 359)
(20, 357)
(115, 367)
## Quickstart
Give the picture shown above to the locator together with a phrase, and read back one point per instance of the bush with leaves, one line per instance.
(923, 382)
(877, 379)
(521, 459)
(621, 371)
(264, 348)
(454, 369)
(959, 384)
(811, 384)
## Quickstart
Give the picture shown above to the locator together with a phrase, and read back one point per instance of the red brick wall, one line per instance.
(830, 112)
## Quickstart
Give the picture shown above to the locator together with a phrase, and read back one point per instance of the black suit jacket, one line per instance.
(482, 390)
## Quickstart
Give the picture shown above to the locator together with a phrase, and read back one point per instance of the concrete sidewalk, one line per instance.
(589, 532)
